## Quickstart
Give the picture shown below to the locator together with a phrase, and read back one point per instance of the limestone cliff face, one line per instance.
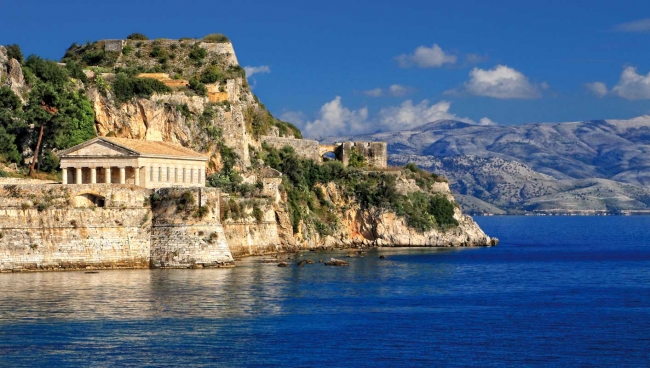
(174, 117)
(385, 228)
(11, 73)
(357, 226)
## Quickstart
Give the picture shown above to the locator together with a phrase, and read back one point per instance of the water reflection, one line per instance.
(251, 288)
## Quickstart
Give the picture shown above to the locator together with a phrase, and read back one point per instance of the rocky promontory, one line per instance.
(194, 93)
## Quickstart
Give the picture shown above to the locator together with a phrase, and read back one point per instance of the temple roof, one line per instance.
(133, 147)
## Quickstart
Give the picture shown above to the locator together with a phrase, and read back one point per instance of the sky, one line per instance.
(346, 67)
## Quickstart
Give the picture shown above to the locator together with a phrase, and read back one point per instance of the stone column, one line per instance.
(201, 177)
(64, 175)
(122, 175)
(93, 175)
(107, 175)
(137, 176)
(77, 175)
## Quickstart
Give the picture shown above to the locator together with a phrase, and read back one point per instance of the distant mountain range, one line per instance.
(577, 167)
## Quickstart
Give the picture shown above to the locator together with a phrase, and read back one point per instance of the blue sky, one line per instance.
(358, 66)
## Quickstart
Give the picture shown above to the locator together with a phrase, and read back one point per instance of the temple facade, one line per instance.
(148, 164)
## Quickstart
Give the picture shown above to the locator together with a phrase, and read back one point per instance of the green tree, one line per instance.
(61, 117)
(47, 71)
(11, 122)
(41, 111)
(76, 122)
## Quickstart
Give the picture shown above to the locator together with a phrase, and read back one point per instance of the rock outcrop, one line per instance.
(384, 228)
(173, 117)
(11, 73)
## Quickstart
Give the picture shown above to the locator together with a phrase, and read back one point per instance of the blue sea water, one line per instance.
(557, 292)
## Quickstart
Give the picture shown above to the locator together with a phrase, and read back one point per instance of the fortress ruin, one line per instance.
(375, 153)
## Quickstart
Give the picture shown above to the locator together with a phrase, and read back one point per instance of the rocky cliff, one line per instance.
(11, 73)
(375, 226)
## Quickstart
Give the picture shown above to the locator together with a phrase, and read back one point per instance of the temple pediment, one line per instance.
(99, 148)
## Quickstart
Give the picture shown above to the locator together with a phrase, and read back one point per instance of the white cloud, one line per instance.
(475, 58)
(633, 86)
(642, 25)
(487, 121)
(501, 82)
(297, 118)
(426, 57)
(395, 90)
(377, 92)
(334, 119)
(251, 70)
(407, 115)
(597, 88)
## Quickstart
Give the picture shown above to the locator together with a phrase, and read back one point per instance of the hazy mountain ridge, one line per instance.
(548, 167)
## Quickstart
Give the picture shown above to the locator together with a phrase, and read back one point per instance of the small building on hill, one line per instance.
(149, 164)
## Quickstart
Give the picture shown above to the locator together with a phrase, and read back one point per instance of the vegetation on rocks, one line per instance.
(14, 52)
(56, 115)
(259, 122)
(216, 38)
(303, 180)
(126, 87)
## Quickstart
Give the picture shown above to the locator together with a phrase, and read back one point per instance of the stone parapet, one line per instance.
(304, 147)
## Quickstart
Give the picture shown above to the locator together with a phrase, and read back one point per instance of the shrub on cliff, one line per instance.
(423, 211)
(197, 52)
(355, 159)
(125, 87)
(14, 52)
(137, 37)
(76, 71)
(198, 87)
(216, 38)
(423, 179)
(211, 75)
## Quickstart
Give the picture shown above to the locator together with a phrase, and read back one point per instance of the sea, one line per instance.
(556, 292)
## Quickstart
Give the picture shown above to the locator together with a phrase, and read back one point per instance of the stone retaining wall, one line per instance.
(182, 238)
(59, 227)
(74, 238)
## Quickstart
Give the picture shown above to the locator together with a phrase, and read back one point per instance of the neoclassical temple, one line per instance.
(149, 164)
